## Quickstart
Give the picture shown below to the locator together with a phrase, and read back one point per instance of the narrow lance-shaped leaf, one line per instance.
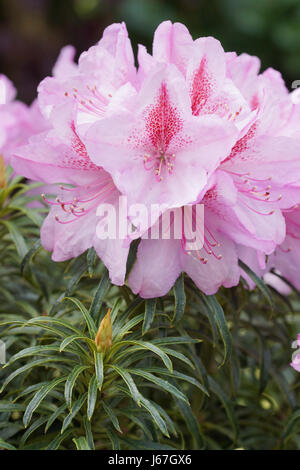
(149, 314)
(89, 321)
(135, 394)
(258, 281)
(110, 413)
(70, 382)
(76, 408)
(219, 317)
(81, 443)
(180, 299)
(99, 296)
(162, 384)
(38, 398)
(92, 396)
(99, 369)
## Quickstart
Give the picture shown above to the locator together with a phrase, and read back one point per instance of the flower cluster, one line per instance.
(191, 124)
(18, 122)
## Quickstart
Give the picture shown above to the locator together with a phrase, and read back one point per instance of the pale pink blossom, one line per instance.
(192, 125)
(164, 135)
(17, 121)
(58, 155)
(159, 262)
(251, 187)
(286, 257)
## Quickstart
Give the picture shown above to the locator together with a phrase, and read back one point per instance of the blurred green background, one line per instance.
(33, 31)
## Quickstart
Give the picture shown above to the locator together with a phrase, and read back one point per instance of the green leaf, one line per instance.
(38, 398)
(17, 238)
(36, 247)
(91, 258)
(162, 384)
(55, 321)
(89, 320)
(55, 415)
(178, 375)
(114, 439)
(217, 311)
(175, 340)
(32, 351)
(75, 278)
(153, 348)
(191, 422)
(31, 214)
(99, 369)
(151, 408)
(35, 425)
(81, 443)
(215, 388)
(149, 314)
(6, 445)
(92, 396)
(179, 356)
(120, 332)
(180, 299)
(30, 365)
(89, 433)
(265, 363)
(99, 296)
(135, 394)
(70, 339)
(70, 382)
(10, 407)
(115, 309)
(141, 423)
(110, 413)
(137, 302)
(76, 408)
(259, 283)
(54, 445)
(288, 428)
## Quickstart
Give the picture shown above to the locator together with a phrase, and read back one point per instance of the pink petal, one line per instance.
(156, 268)
(206, 72)
(216, 272)
(173, 44)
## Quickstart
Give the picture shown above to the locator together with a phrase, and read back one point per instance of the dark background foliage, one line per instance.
(33, 31)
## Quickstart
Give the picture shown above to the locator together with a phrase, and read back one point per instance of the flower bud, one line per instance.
(2, 173)
(103, 338)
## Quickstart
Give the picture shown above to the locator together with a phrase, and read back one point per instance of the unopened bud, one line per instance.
(2, 173)
(103, 338)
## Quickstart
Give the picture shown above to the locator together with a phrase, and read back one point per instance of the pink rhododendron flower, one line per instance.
(159, 262)
(263, 164)
(157, 151)
(58, 155)
(296, 360)
(286, 257)
(89, 87)
(70, 227)
(203, 65)
(271, 279)
(173, 128)
(17, 121)
(259, 177)
(191, 125)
